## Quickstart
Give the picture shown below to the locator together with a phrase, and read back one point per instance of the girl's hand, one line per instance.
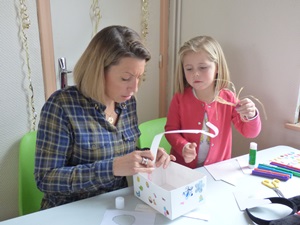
(189, 152)
(246, 108)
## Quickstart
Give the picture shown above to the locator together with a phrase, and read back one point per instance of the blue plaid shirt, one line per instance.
(76, 146)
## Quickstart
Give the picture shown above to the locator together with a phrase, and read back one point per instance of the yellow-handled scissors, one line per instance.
(274, 184)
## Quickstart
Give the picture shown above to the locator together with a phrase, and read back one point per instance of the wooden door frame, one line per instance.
(163, 56)
(47, 47)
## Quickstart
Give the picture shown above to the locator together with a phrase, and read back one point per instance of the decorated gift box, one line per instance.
(173, 191)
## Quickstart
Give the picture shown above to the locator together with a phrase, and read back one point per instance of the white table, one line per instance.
(220, 204)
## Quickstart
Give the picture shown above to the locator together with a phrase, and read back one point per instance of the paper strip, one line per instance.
(157, 138)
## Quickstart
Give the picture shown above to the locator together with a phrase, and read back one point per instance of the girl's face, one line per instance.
(121, 80)
(199, 71)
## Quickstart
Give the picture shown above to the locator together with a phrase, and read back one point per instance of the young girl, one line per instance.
(202, 95)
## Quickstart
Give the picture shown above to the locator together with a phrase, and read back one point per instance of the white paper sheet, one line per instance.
(197, 214)
(117, 217)
(144, 208)
(244, 164)
(244, 201)
(229, 171)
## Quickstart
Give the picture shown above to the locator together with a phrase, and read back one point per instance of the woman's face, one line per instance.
(199, 71)
(122, 80)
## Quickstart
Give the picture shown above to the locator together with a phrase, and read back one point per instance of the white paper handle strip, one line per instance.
(157, 138)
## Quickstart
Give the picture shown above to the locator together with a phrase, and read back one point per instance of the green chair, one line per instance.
(30, 196)
(151, 128)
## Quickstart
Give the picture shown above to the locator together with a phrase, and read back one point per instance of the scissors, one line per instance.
(274, 184)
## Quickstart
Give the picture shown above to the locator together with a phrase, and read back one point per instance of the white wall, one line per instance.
(261, 43)
(15, 110)
(72, 34)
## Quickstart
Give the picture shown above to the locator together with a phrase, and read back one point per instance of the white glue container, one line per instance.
(119, 202)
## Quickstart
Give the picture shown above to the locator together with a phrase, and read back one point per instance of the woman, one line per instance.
(87, 133)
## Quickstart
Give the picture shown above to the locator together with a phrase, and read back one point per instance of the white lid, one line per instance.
(119, 202)
(253, 145)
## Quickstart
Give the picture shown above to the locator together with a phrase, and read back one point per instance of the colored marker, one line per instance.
(287, 170)
(286, 166)
(276, 169)
(270, 174)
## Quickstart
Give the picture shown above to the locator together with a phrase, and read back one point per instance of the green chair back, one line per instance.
(148, 131)
(30, 196)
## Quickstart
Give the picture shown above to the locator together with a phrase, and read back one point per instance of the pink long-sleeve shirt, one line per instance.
(187, 112)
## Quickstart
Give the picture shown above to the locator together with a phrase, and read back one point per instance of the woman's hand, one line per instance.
(163, 158)
(189, 152)
(140, 162)
(246, 108)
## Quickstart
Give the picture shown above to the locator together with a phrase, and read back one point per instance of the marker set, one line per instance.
(282, 168)
(291, 168)
(276, 170)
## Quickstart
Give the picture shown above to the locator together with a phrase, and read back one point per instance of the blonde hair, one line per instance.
(214, 53)
(106, 49)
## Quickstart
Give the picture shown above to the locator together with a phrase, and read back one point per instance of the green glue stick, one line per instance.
(252, 154)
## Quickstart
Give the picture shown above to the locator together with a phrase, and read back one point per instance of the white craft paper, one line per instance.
(244, 164)
(229, 171)
(144, 208)
(244, 201)
(117, 217)
(157, 138)
(197, 214)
